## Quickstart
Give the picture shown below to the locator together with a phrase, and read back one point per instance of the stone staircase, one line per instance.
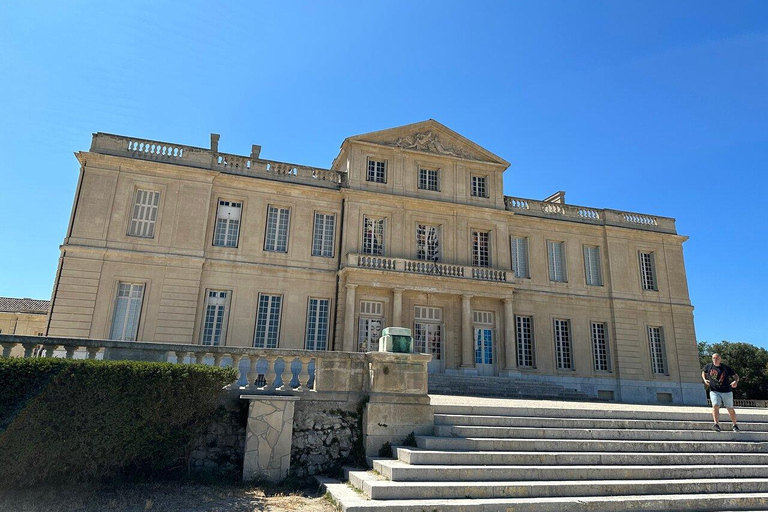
(442, 384)
(546, 456)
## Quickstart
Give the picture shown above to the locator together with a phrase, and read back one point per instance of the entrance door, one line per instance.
(484, 351)
(428, 335)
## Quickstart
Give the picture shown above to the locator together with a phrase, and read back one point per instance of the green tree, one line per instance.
(749, 361)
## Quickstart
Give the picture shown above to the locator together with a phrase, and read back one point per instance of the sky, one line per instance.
(655, 107)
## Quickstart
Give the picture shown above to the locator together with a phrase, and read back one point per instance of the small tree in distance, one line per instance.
(749, 361)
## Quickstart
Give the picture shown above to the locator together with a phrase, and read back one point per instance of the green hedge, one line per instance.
(71, 420)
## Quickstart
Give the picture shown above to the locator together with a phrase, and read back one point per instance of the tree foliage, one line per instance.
(748, 361)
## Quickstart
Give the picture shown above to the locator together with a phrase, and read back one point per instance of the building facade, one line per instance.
(409, 227)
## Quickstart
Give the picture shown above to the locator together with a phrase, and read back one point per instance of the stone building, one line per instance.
(25, 317)
(409, 227)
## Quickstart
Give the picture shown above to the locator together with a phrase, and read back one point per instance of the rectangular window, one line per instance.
(592, 267)
(525, 353)
(429, 179)
(427, 243)
(520, 257)
(483, 327)
(322, 237)
(369, 326)
(317, 324)
(600, 347)
(556, 251)
(125, 321)
(144, 213)
(428, 331)
(373, 236)
(377, 171)
(658, 352)
(479, 188)
(563, 344)
(268, 321)
(227, 223)
(215, 321)
(648, 271)
(276, 239)
(480, 253)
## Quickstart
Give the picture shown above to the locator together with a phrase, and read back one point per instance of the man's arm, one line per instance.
(704, 378)
(735, 381)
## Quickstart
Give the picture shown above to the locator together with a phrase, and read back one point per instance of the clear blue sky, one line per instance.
(655, 106)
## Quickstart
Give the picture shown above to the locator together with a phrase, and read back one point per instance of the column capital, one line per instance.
(466, 296)
(508, 300)
(398, 291)
(351, 286)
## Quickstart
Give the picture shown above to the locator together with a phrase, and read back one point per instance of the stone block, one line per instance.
(268, 437)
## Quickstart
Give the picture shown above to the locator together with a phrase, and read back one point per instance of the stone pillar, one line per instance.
(467, 337)
(398, 404)
(349, 320)
(397, 307)
(510, 363)
(268, 437)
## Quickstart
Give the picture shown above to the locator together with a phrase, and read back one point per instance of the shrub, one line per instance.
(72, 420)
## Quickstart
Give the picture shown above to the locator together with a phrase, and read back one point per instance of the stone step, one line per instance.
(399, 471)
(351, 501)
(540, 421)
(417, 456)
(599, 433)
(578, 445)
(378, 488)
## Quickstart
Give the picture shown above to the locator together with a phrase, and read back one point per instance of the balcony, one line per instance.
(584, 214)
(429, 268)
(211, 159)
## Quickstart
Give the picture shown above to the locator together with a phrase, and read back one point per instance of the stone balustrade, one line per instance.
(432, 268)
(588, 215)
(260, 370)
(202, 158)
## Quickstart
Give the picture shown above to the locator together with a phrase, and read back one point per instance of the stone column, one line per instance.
(510, 364)
(268, 437)
(467, 337)
(349, 320)
(397, 307)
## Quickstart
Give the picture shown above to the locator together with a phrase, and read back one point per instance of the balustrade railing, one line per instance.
(259, 370)
(590, 215)
(143, 149)
(426, 267)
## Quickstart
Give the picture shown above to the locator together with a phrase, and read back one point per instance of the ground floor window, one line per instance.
(428, 331)
(369, 325)
(317, 324)
(215, 321)
(125, 320)
(268, 321)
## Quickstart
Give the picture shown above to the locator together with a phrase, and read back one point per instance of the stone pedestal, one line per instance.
(398, 401)
(268, 437)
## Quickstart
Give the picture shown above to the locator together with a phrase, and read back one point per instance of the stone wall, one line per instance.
(218, 452)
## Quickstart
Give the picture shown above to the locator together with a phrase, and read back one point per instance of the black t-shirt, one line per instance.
(719, 377)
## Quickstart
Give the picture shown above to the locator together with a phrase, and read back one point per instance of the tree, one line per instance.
(749, 361)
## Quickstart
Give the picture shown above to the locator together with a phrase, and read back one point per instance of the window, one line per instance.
(268, 321)
(427, 243)
(227, 223)
(428, 331)
(525, 354)
(480, 257)
(216, 314)
(322, 237)
(377, 171)
(658, 353)
(600, 347)
(277, 229)
(520, 257)
(592, 266)
(369, 326)
(556, 251)
(479, 188)
(317, 324)
(563, 344)
(483, 326)
(125, 321)
(648, 271)
(144, 214)
(373, 236)
(429, 179)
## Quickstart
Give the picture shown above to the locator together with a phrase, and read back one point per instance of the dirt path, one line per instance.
(164, 497)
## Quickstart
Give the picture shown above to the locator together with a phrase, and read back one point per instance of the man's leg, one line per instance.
(732, 414)
(716, 413)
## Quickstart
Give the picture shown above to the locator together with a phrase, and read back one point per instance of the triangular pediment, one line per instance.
(430, 137)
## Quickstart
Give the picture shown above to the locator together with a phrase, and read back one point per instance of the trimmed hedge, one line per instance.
(73, 420)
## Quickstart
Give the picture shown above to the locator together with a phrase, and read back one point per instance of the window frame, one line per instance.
(532, 340)
(153, 223)
(368, 316)
(425, 246)
(216, 222)
(598, 270)
(317, 323)
(384, 172)
(662, 351)
(474, 186)
(268, 321)
(424, 172)
(551, 261)
(475, 250)
(382, 244)
(275, 237)
(323, 237)
(559, 343)
(426, 324)
(130, 283)
(526, 256)
(607, 347)
(225, 317)
(654, 284)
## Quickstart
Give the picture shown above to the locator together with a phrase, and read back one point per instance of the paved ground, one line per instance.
(164, 497)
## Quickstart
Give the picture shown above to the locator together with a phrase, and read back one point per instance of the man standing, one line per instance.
(718, 377)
